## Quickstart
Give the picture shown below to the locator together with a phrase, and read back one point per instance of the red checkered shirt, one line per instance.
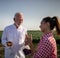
(47, 47)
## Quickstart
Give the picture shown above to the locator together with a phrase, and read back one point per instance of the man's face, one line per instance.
(18, 18)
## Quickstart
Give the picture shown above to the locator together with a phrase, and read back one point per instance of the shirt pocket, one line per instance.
(10, 36)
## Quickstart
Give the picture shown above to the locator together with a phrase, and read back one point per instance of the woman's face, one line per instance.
(43, 26)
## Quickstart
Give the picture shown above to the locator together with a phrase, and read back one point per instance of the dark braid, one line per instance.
(53, 23)
(57, 24)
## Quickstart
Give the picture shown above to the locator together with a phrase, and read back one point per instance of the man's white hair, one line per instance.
(18, 13)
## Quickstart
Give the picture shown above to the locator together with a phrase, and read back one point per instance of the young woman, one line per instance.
(47, 46)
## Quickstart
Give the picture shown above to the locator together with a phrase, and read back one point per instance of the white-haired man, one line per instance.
(13, 38)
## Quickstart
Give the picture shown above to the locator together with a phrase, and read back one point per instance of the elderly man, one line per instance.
(13, 38)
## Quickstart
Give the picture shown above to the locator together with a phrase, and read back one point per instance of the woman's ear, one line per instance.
(48, 24)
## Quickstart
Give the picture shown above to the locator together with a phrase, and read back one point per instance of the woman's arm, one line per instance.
(30, 43)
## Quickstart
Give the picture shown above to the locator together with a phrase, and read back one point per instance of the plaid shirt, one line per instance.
(46, 47)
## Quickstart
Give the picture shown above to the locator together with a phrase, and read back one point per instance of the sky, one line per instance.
(33, 10)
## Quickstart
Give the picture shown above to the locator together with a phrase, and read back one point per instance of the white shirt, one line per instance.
(16, 36)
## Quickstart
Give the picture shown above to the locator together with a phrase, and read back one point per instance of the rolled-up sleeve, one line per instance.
(4, 37)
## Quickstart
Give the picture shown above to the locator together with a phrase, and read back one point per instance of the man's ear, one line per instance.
(14, 19)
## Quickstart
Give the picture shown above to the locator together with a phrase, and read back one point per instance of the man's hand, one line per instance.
(9, 43)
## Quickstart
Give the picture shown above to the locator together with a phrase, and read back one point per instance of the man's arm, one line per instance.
(4, 38)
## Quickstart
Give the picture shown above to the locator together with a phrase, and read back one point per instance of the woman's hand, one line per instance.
(30, 43)
(28, 39)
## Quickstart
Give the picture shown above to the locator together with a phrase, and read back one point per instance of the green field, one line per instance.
(36, 34)
(0, 34)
